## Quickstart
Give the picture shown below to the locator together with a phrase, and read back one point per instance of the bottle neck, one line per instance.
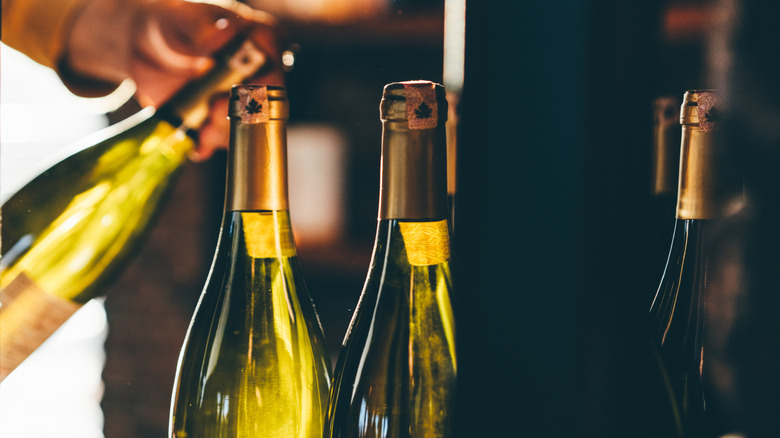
(666, 158)
(413, 179)
(257, 166)
(708, 188)
(234, 63)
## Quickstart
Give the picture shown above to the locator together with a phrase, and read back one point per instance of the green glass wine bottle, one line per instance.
(395, 375)
(708, 191)
(665, 150)
(254, 361)
(70, 229)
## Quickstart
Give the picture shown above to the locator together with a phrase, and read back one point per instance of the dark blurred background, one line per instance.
(557, 240)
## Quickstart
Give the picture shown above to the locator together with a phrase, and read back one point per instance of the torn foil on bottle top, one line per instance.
(708, 111)
(252, 104)
(422, 110)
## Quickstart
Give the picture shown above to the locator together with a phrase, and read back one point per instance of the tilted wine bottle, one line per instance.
(396, 371)
(70, 229)
(709, 190)
(254, 361)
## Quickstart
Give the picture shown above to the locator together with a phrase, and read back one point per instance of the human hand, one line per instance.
(163, 44)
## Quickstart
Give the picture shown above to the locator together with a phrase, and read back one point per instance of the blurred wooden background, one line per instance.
(555, 251)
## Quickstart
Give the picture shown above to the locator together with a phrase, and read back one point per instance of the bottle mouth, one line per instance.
(422, 103)
(258, 103)
(700, 107)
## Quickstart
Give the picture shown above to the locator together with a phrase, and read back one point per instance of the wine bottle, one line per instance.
(665, 169)
(395, 374)
(708, 191)
(254, 361)
(666, 153)
(70, 229)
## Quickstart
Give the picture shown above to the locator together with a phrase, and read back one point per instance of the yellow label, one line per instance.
(28, 316)
(427, 243)
(267, 235)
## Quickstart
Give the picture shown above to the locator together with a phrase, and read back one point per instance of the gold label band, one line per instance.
(422, 109)
(28, 316)
(252, 104)
(267, 236)
(427, 243)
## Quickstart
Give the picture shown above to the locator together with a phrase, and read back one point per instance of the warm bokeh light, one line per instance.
(333, 11)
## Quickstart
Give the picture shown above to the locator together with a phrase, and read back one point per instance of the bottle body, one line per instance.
(395, 375)
(67, 232)
(254, 359)
(677, 329)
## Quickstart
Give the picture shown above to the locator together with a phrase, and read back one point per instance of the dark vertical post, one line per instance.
(745, 348)
(555, 128)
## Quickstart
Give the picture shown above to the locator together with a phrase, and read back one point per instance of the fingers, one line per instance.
(193, 28)
(175, 40)
(174, 45)
(215, 134)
